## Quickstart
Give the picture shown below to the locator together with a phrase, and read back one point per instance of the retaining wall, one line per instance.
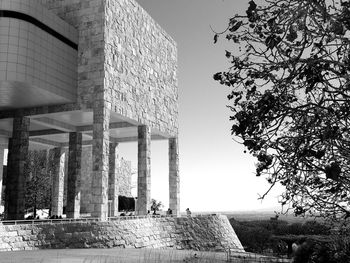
(206, 233)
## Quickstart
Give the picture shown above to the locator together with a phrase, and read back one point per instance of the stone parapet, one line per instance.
(206, 233)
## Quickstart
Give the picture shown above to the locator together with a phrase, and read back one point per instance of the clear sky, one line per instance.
(215, 173)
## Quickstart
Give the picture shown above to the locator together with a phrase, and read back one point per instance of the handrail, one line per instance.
(46, 221)
(68, 220)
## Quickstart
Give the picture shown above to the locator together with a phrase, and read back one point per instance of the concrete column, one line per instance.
(7, 187)
(100, 162)
(144, 170)
(74, 176)
(57, 157)
(174, 177)
(113, 179)
(2, 156)
(16, 175)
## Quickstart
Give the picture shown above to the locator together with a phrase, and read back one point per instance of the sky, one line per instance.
(215, 173)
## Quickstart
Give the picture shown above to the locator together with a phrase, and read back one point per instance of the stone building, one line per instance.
(76, 73)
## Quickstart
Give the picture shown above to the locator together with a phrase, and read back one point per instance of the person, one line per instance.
(295, 247)
(169, 212)
(188, 212)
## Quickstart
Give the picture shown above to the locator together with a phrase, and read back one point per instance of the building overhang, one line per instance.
(48, 130)
(38, 56)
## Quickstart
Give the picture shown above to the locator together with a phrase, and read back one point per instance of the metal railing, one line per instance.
(87, 219)
(90, 219)
(47, 221)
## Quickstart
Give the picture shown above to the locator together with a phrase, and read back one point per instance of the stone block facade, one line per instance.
(124, 53)
(207, 233)
(141, 66)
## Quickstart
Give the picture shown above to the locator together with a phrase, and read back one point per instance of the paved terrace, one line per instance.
(111, 255)
(128, 255)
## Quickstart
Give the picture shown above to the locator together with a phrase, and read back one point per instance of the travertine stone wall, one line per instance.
(74, 175)
(125, 53)
(207, 233)
(140, 66)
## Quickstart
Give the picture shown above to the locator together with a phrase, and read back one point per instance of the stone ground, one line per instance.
(115, 255)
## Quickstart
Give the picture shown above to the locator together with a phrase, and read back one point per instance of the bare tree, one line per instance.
(156, 206)
(38, 185)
